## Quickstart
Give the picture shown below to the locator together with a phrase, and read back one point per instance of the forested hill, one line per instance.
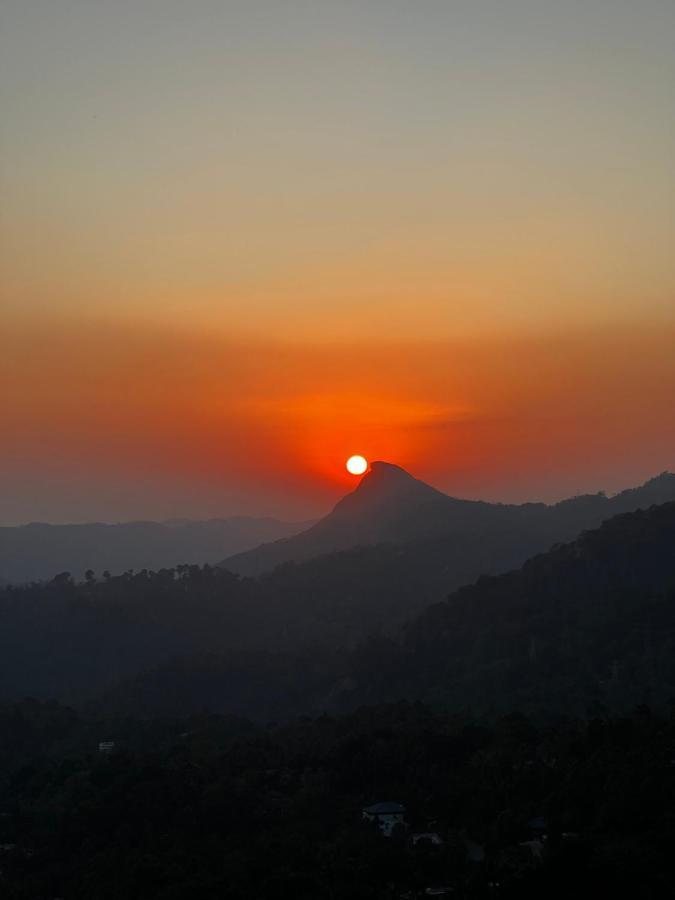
(585, 627)
(66, 639)
(588, 623)
(212, 807)
(591, 622)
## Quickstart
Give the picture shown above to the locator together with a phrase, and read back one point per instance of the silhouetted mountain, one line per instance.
(390, 506)
(586, 626)
(39, 551)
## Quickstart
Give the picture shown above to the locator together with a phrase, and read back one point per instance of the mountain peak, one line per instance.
(384, 484)
(385, 471)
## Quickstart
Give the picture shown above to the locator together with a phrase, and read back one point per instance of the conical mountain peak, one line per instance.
(383, 477)
(381, 471)
(384, 484)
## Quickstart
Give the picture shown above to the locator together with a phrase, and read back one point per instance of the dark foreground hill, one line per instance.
(67, 640)
(40, 551)
(213, 807)
(588, 626)
(390, 506)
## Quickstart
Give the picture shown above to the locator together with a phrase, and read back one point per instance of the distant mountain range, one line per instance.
(448, 541)
(40, 551)
(390, 506)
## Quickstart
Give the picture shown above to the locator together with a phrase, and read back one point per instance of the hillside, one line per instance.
(587, 626)
(215, 807)
(330, 629)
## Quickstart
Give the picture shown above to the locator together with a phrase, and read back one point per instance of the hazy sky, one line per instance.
(242, 240)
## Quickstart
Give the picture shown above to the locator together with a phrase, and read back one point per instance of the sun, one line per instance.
(357, 465)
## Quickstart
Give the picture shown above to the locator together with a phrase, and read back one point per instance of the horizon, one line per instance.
(313, 519)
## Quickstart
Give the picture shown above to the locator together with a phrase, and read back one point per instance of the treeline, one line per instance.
(214, 807)
(71, 639)
(588, 626)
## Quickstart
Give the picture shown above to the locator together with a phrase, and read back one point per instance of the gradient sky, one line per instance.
(243, 240)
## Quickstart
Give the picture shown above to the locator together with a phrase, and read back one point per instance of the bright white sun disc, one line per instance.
(357, 465)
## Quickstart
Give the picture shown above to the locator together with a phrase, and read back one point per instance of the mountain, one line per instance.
(589, 622)
(40, 551)
(390, 506)
(587, 627)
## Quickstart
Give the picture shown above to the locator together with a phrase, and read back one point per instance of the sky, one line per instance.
(240, 241)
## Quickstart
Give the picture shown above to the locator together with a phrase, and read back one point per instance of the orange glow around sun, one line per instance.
(466, 416)
(356, 465)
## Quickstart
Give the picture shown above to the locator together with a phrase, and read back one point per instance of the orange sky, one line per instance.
(240, 241)
(120, 421)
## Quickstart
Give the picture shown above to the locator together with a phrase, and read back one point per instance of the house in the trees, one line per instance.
(387, 815)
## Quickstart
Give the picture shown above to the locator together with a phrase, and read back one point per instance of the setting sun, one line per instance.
(357, 465)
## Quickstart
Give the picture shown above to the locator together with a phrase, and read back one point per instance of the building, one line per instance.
(388, 815)
(106, 746)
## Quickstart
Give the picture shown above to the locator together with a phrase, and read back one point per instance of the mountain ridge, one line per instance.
(389, 505)
(584, 628)
(39, 550)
